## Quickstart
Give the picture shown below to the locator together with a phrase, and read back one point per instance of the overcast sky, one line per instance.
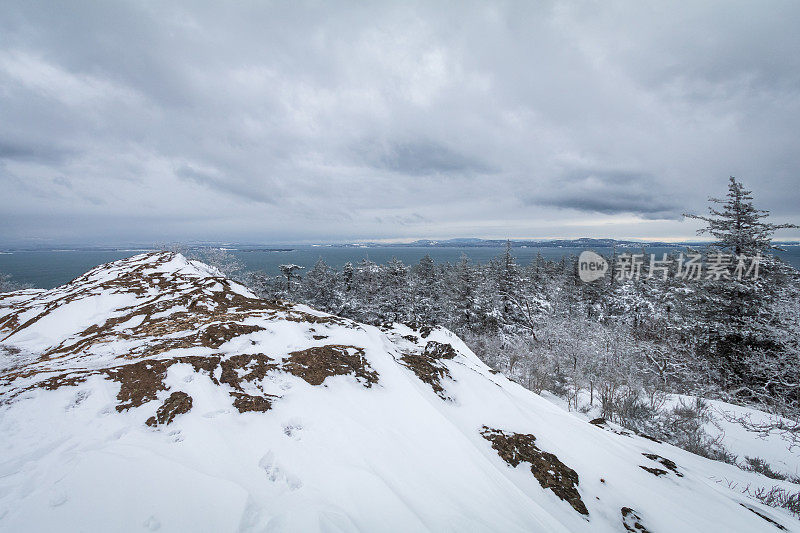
(286, 122)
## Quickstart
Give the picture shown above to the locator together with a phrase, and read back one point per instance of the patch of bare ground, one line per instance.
(439, 350)
(428, 367)
(216, 335)
(247, 402)
(427, 370)
(175, 310)
(515, 448)
(68, 379)
(632, 521)
(319, 362)
(653, 470)
(246, 368)
(141, 382)
(602, 423)
(176, 404)
(667, 463)
(422, 329)
(765, 517)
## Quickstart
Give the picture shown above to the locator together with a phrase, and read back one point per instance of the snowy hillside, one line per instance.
(154, 394)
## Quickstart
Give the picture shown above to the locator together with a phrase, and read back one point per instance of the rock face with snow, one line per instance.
(153, 393)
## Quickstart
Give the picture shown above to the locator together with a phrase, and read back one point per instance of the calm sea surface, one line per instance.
(47, 269)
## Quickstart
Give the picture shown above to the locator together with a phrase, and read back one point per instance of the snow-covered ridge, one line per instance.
(153, 393)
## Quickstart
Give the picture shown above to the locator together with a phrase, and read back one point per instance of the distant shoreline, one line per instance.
(450, 243)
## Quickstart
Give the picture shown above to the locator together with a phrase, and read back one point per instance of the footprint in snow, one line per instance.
(276, 474)
(109, 409)
(292, 428)
(78, 399)
(58, 499)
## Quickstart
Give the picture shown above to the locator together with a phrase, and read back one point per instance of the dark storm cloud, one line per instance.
(333, 121)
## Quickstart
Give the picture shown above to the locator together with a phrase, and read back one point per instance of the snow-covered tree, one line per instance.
(8, 285)
(290, 271)
(737, 225)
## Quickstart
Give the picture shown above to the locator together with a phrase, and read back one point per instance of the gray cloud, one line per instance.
(21, 151)
(297, 121)
(611, 192)
(419, 158)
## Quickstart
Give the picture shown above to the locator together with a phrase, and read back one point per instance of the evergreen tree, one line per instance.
(290, 272)
(319, 286)
(463, 294)
(347, 276)
(738, 226)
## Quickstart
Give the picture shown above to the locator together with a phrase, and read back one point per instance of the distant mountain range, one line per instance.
(583, 242)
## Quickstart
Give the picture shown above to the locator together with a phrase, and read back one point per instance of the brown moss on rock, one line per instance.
(245, 368)
(440, 350)
(515, 448)
(216, 335)
(653, 470)
(141, 382)
(70, 379)
(632, 521)
(177, 403)
(423, 329)
(667, 463)
(428, 366)
(247, 402)
(319, 362)
(428, 370)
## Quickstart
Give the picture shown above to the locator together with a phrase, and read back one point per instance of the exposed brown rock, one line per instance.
(551, 473)
(319, 362)
(245, 367)
(439, 350)
(427, 369)
(177, 403)
(655, 471)
(632, 521)
(423, 329)
(216, 335)
(428, 366)
(141, 382)
(667, 463)
(246, 402)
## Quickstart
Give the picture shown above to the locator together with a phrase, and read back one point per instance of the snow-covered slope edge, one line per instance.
(153, 393)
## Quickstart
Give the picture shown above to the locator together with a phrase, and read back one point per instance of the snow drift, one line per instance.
(152, 393)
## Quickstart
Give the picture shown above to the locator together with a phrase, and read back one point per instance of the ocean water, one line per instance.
(48, 269)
